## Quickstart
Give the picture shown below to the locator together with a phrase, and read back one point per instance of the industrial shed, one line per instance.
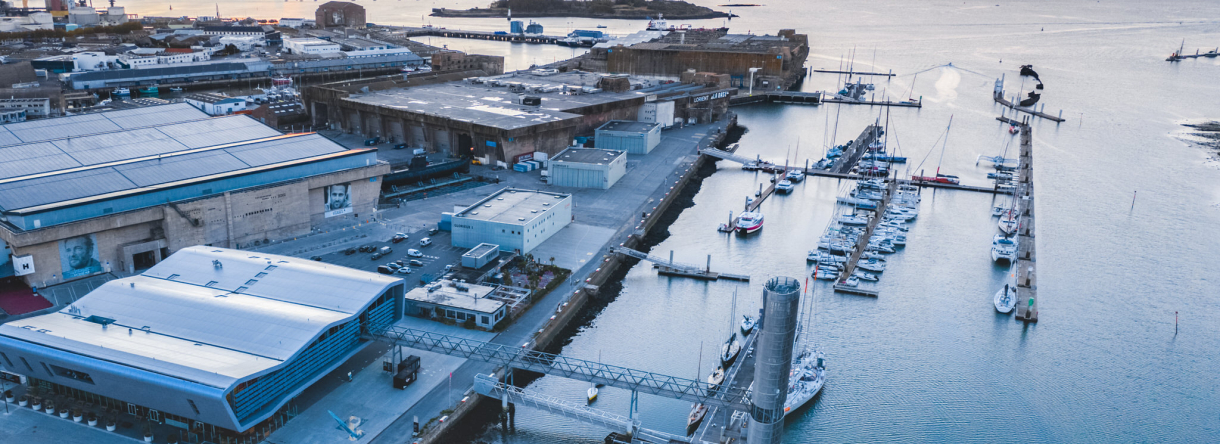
(632, 137)
(588, 168)
(515, 219)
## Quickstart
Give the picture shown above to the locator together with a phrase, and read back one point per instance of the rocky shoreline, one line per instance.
(688, 12)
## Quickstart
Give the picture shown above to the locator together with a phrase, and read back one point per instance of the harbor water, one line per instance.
(1127, 213)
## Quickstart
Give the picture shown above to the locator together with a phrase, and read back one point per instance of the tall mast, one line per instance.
(942, 146)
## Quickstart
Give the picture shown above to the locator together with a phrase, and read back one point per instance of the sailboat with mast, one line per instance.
(699, 410)
(731, 347)
(808, 373)
(941, 178)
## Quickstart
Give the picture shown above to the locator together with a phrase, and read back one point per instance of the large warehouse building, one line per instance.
(515, 219)
(502, 118)
(779, 60)
(121, 190)
(211, 340)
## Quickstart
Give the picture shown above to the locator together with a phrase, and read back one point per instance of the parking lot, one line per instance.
(435, 256)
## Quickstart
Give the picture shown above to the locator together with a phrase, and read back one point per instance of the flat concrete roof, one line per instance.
(473, 299)
(482, 249)
(513, 206)
(628, 126)
(588, 155)
(498, 106)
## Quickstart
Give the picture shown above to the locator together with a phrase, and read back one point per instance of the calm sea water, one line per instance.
(929, 360)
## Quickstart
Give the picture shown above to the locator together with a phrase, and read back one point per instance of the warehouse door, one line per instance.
(465, 143)
(417, 139)
(396, 133)
(353, 123)
(442, 142)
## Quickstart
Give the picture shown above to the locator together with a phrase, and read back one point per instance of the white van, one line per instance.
(425, 242)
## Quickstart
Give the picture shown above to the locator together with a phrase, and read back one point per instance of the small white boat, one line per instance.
(795, 175)
(872, 265)
(852, 281)
(715, 379)
(852, 220)
(826, 275)
(176, 89)
(697, 412)
(1006, 299)
(867, 277)
(747, 325)
(121, 92)
(813, 256)
(591, 395)
(784, 186)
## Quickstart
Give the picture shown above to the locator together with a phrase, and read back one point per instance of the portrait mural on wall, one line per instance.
(78, 256)
(338, 200)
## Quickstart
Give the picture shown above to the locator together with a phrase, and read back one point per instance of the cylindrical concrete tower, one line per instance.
(773, 359)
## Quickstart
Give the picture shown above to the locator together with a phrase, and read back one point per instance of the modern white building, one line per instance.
(32, 107)
(515, 219)
(310, 46)
(587, 168)
(212, 340)
(294, 23)
(376, 52)
(457, 301)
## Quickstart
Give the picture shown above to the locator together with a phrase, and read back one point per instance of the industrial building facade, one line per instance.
(587, 168)
(515, 219)
(500, 118)
(121, 190)
(780, 58)
(632, 137)
(211, 340)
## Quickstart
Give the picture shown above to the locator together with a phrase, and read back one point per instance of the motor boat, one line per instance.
(1008, 222)
(591, 395)
(784, 186)
(867, 277)
(813, 256)
(795, 175)
(872, 265)
(805, 381)
(121, 92)
(1006, 299)
(747, 325)
(825, 274)
(852, 281)
(749, 222)
(864, 204)
(852, 220)
(1003, 249)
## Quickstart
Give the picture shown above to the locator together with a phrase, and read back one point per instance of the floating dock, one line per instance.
(671, 268)
(905, 104)
(828, 71)
(1027, 282)
(857, 149)
(862, 244)
(408, 31)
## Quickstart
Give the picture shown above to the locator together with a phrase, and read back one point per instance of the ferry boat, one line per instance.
(1006, 299)
(121, 92)
(749, 222)
(1003, 249)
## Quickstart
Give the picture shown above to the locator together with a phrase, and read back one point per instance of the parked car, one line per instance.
(398, 238)
(405, 270)
(349, 251)
(384, 270)
(448, 267)
(367, 248)
(393, 266)
(433, 231)
(372, 141)
(400, 146)
(415, 263)
(400, 262)
(376, 256)
(315, 258)
(415, 253)
(425, 242)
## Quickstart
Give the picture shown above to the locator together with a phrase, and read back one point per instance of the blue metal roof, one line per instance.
(85, 124)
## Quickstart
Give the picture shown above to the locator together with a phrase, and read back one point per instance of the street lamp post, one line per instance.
(752, 71)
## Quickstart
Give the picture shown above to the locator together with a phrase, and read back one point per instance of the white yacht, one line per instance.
(749, 222)
(806, 381)
(1003, 249)
(784, 186)
(795, 175)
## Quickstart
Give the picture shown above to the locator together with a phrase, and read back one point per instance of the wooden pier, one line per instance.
(861, 245)
(905, 104)
(1027, 282)
(857, 150)
(763, 195)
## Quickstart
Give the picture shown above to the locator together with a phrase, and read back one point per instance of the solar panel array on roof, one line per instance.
(60, 154)
(28, 192)
(110, 121)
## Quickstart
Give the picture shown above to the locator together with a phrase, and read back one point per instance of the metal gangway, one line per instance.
(721, 154)
(668, 266)
(488, 385)
(637, 381)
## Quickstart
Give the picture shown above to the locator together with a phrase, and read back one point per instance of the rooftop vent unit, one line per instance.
(531, 101)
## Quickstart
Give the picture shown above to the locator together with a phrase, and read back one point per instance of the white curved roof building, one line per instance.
(209, 335)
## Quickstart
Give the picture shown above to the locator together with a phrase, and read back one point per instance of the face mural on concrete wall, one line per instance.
(78, 256)
(338, 199)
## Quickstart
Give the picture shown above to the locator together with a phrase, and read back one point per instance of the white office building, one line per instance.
(515, 219)
(310, 46)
